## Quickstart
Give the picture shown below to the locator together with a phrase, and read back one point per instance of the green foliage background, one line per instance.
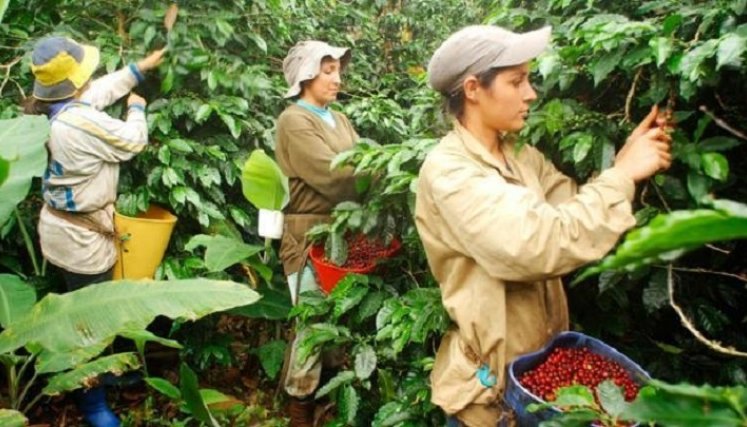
(216, 97)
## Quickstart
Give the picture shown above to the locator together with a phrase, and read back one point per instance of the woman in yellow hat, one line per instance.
(309, 135)
(501, 225)
(85, 148)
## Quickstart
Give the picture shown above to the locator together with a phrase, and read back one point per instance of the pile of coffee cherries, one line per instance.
(576, 366)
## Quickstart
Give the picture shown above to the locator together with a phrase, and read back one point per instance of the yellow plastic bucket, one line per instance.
(142, 242)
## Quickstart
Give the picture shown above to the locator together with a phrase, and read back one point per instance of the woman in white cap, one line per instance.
(309, 135)
(500, 226)
(79, 186)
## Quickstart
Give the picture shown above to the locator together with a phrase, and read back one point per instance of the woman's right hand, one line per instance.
(135, 99)
(647, 150)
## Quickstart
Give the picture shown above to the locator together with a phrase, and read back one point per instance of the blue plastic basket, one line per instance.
(518, 397)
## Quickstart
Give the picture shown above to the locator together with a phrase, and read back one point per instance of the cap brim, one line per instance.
(525, 47)
(87, 67)
(342, 53)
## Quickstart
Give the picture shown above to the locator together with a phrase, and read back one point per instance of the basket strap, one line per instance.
(85, 220)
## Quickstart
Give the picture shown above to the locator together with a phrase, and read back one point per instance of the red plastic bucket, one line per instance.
(329, 274)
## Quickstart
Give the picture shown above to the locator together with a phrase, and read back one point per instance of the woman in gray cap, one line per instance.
(500, 226)
(309, 135)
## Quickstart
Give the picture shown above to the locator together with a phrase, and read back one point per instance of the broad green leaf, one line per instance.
(698, 185)
(164, 387)
(192, 398)
(23, 144)
(716, 166)
(662, 47)
(178, 144)
(212, 396)
(347, 404)
(203, 113)
(574, 396)
(575, 418)
(143, 336)
(605, 64)
(582, 147)
(168, 81)
(370, 305)
(232, 123)
(9, 417)
(87, 374)
(3, 7)
(611, 397)
(691, 67)
(4, 170)
(655, 296)
(48, 361)
(731, 49)
(16, 299)
(274, 305)
(263, 183)
(93, 314)
(392, 414)
(342, 378)
(222, 252)
(686, 405)
(258, 40)
(668, 348)
(365, 362)
(348, 296)
(670, 235)
(318, 334)
(271, 356)
(718, 143)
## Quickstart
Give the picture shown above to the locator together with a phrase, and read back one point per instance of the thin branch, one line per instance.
(717, 249)
(741, 278)
(688, 324)
(33, 403)
(631, 93)
(661, 196)
(644, 193)
(8, 67)
(722, 124)
(26, 389)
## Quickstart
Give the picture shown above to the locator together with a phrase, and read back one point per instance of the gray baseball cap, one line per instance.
(478, 48)
(304, 61)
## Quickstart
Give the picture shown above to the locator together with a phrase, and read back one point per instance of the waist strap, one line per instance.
(85, 220)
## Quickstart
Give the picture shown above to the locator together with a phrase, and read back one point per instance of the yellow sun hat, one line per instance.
(61, 66)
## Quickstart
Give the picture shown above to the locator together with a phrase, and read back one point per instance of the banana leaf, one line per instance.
(23, 145)
(11, 418)
(93, 314)
(85, 375)
(16, 298)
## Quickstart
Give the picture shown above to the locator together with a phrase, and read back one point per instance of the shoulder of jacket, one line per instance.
(444, 160)
(294, 116)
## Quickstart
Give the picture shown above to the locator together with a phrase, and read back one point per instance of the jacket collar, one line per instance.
(480, 153)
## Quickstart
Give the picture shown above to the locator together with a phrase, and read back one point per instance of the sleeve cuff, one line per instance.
(136, 72)
(621, 181)
(138, 107)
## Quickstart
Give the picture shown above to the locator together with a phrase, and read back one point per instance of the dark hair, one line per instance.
(454, 103)
(35, 106)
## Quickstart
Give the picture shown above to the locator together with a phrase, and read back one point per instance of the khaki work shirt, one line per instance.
(497, 240)
(305, 148)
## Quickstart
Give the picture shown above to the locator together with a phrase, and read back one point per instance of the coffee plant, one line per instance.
(216, 98)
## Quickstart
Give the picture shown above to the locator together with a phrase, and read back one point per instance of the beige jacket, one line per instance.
(497, 241)
(86, 146)
(305, 148)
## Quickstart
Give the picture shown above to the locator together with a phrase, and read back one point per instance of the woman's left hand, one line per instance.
(151, 61)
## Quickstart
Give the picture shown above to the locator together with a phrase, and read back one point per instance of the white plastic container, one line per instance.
(270, 224)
